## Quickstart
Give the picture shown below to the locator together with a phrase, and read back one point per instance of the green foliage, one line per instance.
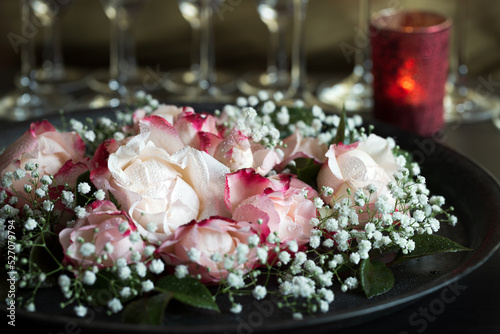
(147, 311)
(429, 244)
(376, 278)
(189, 291)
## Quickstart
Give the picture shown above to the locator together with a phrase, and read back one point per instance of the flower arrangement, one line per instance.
(168, 203)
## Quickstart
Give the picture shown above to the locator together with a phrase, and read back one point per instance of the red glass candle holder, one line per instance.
(410, 68)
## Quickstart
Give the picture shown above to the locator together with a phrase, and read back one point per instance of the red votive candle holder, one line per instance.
(410, 68)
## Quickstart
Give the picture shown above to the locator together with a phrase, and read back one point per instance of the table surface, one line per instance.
(476, 307)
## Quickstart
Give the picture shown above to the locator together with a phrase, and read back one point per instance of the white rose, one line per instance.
(356, 166)
(162, 183)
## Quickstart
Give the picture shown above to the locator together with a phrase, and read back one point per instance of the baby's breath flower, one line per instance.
(64, 281)
(29, 166)
(89, 135)
(149, 250)
(67, 198)
(76, 125)
(181, 271)
(147, 285)
(253, 100)
(284, 257)
(253, 240)
(235, 281)
(80, 212)
(46, 180)
(84, 188)
(19, 174)
(156, 266)
(241, 101)
(87, 249)
(109, 248)
(293, 246)
(124, 272)
(236, 308)
(141, 269)
(134, 237)
(268, 107)
(48, 205)
(40, 192)
(125, 292)
(80, 311)
(89, 277)
(259, 292)
(99, 194)
(262, 254)
(194, 254)
(123, 227)
(115, 305)
(30, 224)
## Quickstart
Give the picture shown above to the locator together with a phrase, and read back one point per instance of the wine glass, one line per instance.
(201, 81)
(354, 93)
(27, 101)
(276, 15)
(114, 87)
(462, 102)
(298, 89)
(53, 74)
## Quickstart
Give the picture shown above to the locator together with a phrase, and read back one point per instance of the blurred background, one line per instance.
(241, 40)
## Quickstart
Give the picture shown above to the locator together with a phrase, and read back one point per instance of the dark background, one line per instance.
(241, 39)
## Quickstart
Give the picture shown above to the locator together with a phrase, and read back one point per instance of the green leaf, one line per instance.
(147, 311)
(376, 278)
(46, 258)
(307, 171)
(189, 291)
(429, 244)
(340, 136)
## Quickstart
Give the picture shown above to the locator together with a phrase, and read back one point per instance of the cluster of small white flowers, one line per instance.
(339, 239)
(265, 121)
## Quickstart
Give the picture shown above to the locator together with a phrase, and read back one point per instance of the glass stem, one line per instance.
(207, 61)
(53, 64)
(362, 57)
(298, 73)
(27, 53)
(120, 51)
(195, 48)
(461, 69)
(277, 57)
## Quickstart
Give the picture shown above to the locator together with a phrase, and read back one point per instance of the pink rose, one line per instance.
(199, 131)
(214, 236)
(357, 166)
(296, 146)
(265, 159)
(235, 151)
(160, 182)
(102, 226)
(283, 202)
(169, 112)
(42, 145)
